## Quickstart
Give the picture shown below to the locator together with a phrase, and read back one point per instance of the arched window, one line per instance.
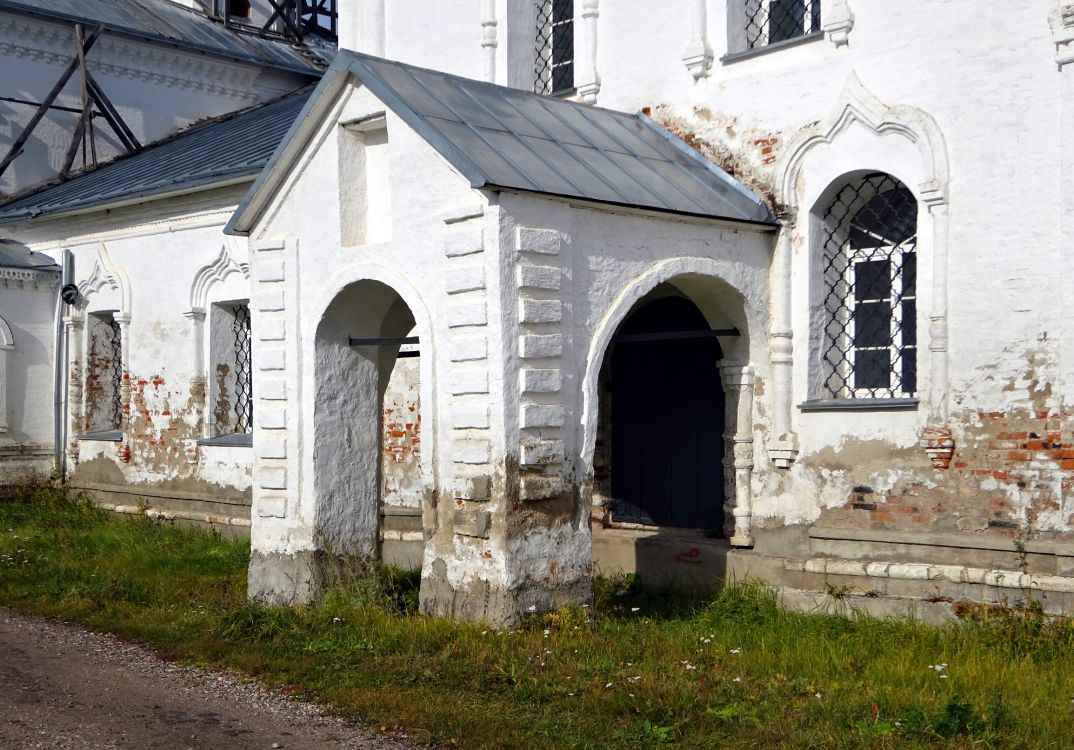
(869, 287)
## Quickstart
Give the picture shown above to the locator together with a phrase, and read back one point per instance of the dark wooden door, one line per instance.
(667, 420)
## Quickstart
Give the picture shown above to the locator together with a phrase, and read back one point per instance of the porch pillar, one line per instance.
(738, 453)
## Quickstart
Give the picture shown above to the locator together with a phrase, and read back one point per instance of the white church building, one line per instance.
(525, 290)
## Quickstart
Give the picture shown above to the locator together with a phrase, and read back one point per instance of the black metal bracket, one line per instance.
(639, 338)
(387, 341)
(383, 341)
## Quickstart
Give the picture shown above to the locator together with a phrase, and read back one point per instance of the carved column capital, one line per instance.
(838, 22)
(698, 56)
(1061, 21)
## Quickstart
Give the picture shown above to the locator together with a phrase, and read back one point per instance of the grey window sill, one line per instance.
(860, 404)
(240, 440)
(110, 436)
(733, 57)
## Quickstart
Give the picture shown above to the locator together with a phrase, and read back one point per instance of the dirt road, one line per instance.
(64, 687)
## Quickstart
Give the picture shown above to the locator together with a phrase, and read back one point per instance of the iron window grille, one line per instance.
(244, 401)
(554, 61)
(771, 21)
(870, 290)
(114, 374)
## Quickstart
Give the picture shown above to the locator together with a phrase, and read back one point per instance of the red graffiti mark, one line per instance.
(693, 556)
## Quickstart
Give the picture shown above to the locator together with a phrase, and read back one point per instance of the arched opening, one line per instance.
(661, 444)
(367, 466)
(866, 279)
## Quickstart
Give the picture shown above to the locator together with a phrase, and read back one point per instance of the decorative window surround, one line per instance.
(106, 289)
(857, 105)
(227, 267)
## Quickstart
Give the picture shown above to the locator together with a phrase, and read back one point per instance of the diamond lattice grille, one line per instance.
(771, 21)
(115, 373)
(554, 61)
(244, 402)
(870, 290)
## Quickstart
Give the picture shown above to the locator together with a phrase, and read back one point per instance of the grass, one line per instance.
(630, 671)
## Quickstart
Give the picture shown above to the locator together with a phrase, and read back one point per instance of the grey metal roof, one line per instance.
(231, 147)
(164, 22)
(16, 255)
(500, 137)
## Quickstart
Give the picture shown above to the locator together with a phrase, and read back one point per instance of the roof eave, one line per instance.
(188, 188)
(663, 213)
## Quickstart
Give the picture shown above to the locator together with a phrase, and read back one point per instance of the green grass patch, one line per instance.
(633, 670)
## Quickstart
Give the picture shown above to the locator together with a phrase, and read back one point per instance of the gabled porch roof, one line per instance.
(505, 138)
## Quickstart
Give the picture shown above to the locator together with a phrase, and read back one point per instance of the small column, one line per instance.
(938, 317)
(698, 54)
(587, 80)
(783, 445)
(4, 349)
(123, 450)
(489, 41)
(738, 453)
(199, 386)
(75, 325)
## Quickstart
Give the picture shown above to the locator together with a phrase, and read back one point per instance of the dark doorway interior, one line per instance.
(667, 421)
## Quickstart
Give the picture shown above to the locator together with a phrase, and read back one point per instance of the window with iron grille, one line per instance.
(554, 61)
(231, 379)
(244, 402)
(104, 382)
(771, 21)
(869, 282)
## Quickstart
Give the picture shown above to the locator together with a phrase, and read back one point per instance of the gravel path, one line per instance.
(62, 686)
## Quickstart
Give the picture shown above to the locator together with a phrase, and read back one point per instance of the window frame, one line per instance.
(739, 46)
(835, 333)
(221, 324)
(98, 320)
(546, 62)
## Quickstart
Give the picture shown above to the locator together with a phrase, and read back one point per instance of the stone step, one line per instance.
(922, 582)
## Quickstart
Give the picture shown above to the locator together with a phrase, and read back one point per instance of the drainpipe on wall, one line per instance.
(59, 382)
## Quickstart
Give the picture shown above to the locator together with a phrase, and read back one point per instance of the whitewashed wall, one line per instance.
(27, 313)
(153, 266)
